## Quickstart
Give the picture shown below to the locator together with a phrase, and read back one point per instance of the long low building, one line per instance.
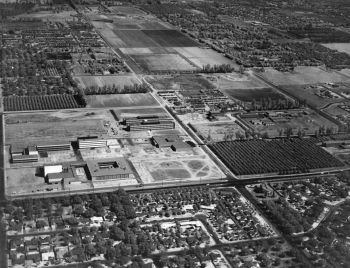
(91, 142)
(149, 122)
(53, 147)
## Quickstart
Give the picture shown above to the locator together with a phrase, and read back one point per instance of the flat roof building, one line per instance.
(109, 169)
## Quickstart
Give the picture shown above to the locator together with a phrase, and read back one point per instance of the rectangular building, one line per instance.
(109, 169)
(91, 142)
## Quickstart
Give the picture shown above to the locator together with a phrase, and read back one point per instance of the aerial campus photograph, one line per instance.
(175, 133)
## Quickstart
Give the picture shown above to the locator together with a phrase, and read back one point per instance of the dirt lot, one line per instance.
(204, 56)
(120, 100)
(235, 81)
(23, 180)
(303, 76)
(67, 125)
(100, 81)
(341, 47)
(163, 62)
(179, 82)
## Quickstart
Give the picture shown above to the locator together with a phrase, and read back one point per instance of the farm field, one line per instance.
(218, 131)
(163, 62)
(312, 95)
(303, 76)
(121, 100)
(235, 81)
(341, 47)
(48, 102)
(179, 82)
(203, 56)
(305, 121)
(248, 95)
(276, 156)
(66, 125)
(170, 38)
(101, 81)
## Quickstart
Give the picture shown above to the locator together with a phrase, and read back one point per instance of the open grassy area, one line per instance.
(120, 100)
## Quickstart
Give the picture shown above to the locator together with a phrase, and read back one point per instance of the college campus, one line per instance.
(175, 134)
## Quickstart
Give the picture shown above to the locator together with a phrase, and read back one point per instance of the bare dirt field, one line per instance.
(163, 62)
(303, 76)
(341, 47)
(67, 125)
(345, 72)
(235, 81)
(179, 82)
(203, 56)
(23, 180)
(107, 80)
(121, 100)
(52, 16)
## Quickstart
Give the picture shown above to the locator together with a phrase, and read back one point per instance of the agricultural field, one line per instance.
(227, 82)
(46, 102)
(203, 56)
(316, 95)
(66, 125)
(179, 82)
(293, 156)
(163, 62)
(296, 122)
(170, 38)
(254, 94)
(120, 100)
(106, 81)
(303, 76)
(341, 47)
